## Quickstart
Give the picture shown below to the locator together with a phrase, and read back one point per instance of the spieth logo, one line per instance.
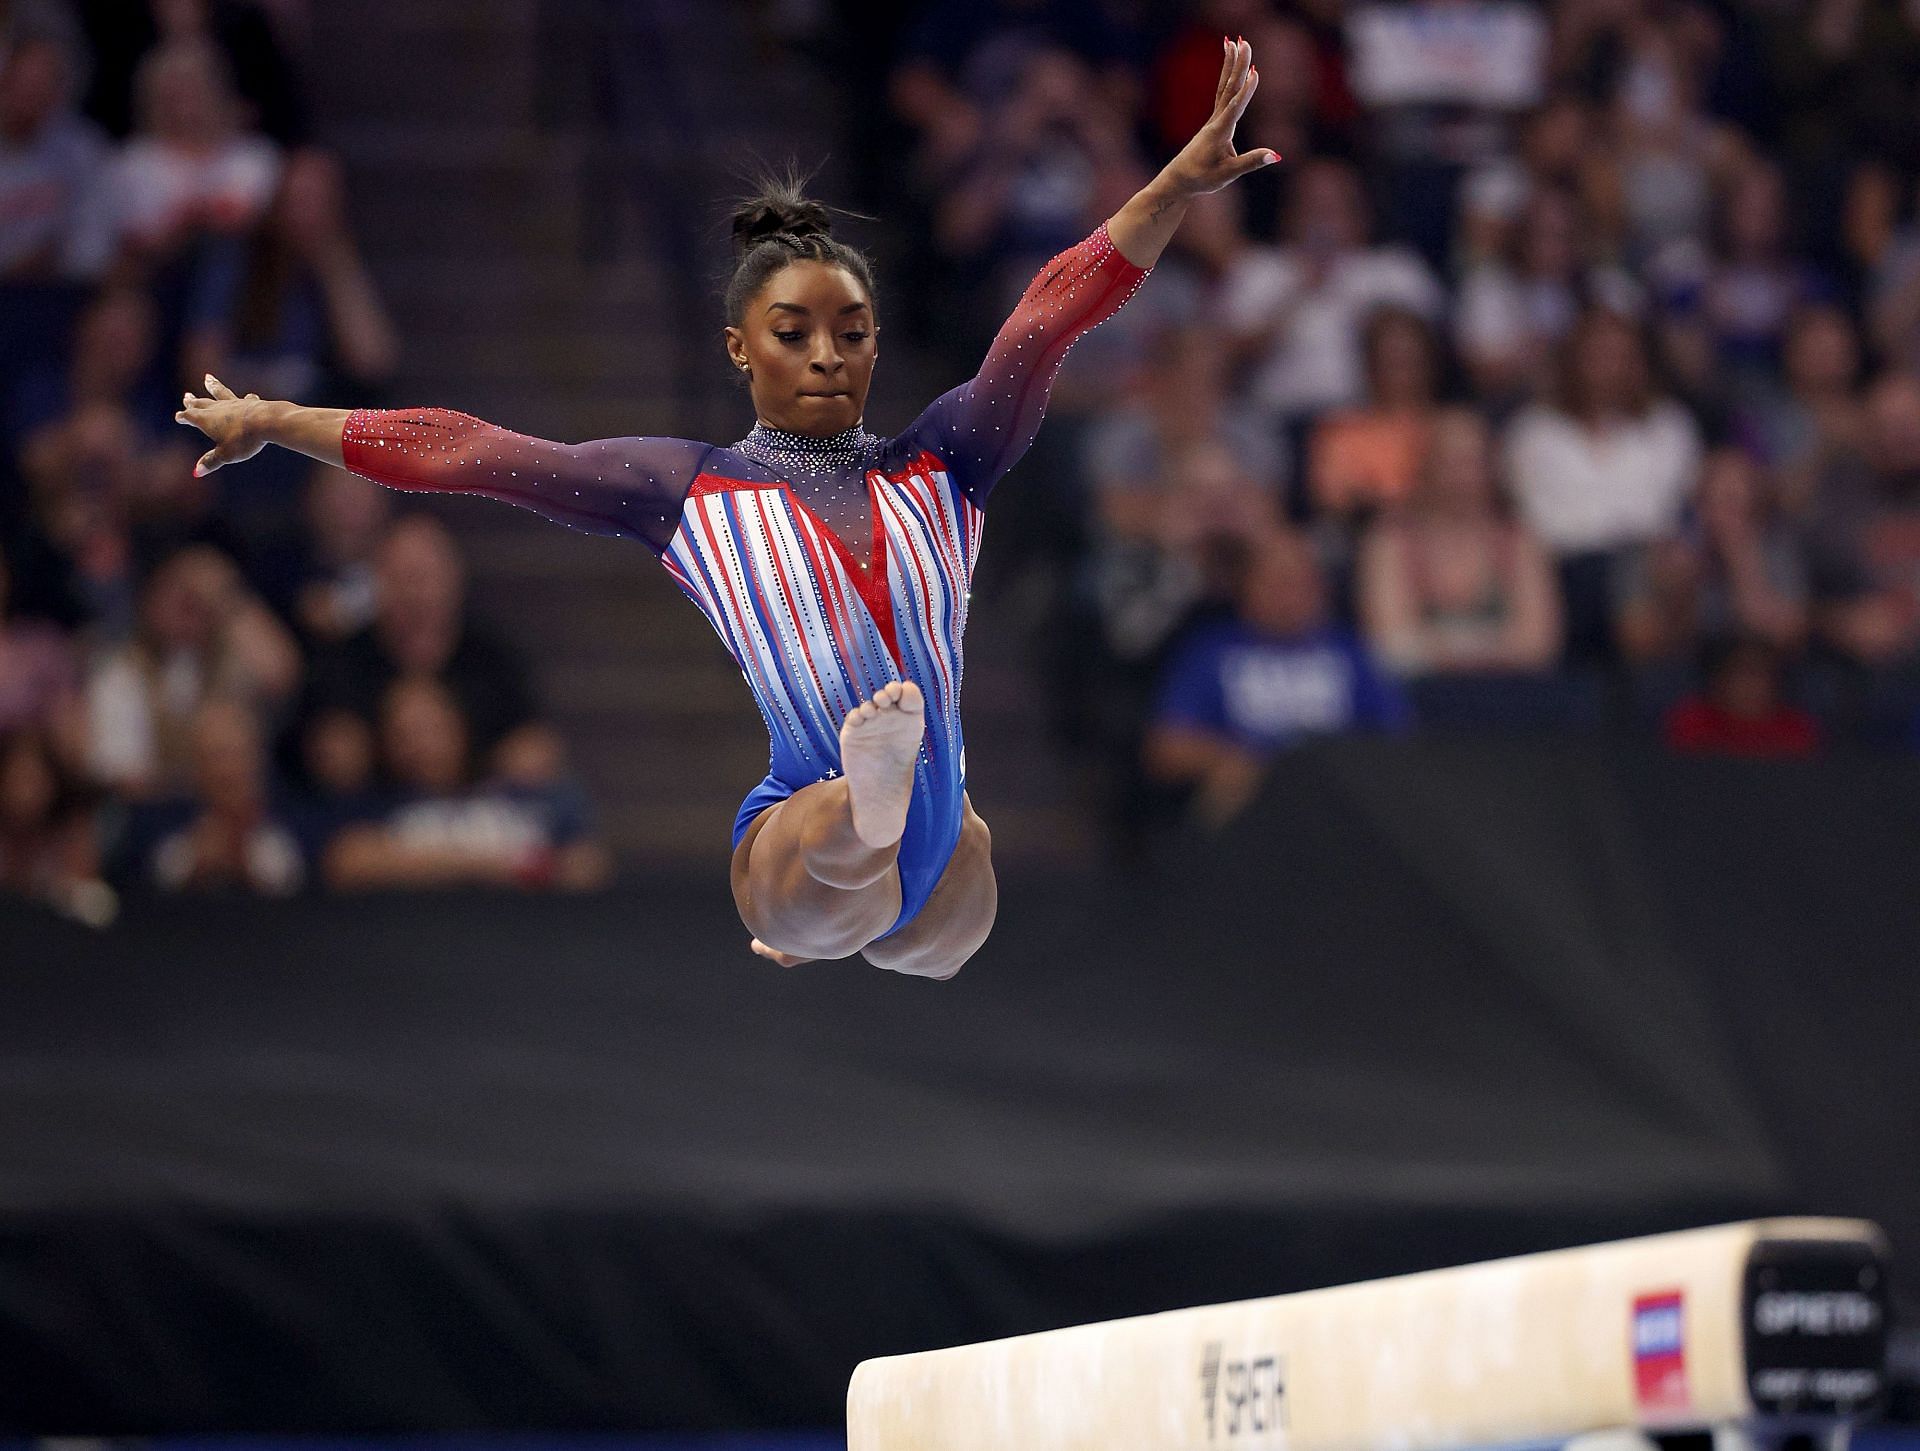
(1815, 1312)
(1245, 1401)
(1660, 1351)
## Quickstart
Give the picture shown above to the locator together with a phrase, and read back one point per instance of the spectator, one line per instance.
(1867, 240)
(1610, 462)
(115, 343)
(1280, 673)
(1182, 403)
(1298, 311)
(1025, 191)
(232, 839)
(252, 38)
(442, 830)
(1739, 572)
(1797, 428)
(39, 686)
(1452, 584)
(1366, 458)
(202, 637)
(1668, 154)
(1867, 550)
(975, 52)
(1444, 81)
(55, 218)
(338, 587)
(47, 848)
(86, 474)
(1742, 711)
(1607, 465)
(421, 626)
(1726, 311)
(190, 170)
(1516, 308)
(1160, 558)
(338, 756)
(302, 318)
(1893, 298)
(1556, 154)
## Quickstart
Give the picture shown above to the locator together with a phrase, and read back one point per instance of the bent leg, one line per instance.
(958, 916)
(808, 877)
(806, 885)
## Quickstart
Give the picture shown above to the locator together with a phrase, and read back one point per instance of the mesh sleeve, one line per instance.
(632, 487)
(980, 429)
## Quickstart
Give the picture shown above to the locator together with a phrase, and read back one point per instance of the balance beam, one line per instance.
(1776, 1320)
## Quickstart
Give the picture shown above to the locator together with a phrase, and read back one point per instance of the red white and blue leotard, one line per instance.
(829, 566)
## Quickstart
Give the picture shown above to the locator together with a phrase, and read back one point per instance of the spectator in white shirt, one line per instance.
(1607, 466)
(1298, 311)
(190, 169)
(1610, 462)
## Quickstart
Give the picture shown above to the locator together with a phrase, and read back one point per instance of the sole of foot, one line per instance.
(878, 743)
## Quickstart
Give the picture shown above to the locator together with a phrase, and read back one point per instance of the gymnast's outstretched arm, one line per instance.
(632, 487)
(980, 429)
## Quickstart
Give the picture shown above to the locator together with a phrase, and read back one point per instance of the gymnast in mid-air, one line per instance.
(834, 563)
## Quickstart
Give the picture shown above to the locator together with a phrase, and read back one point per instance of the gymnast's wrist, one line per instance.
(270, 419)
(1170, 186)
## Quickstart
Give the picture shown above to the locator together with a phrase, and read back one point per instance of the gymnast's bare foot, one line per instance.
(877, 747)
(784, 959)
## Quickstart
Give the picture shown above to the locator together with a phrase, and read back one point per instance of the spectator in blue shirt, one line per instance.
(1280, 672)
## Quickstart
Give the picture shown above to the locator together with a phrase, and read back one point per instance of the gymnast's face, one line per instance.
(806, 344)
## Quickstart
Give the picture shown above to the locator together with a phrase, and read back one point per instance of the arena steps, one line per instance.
(524, 235)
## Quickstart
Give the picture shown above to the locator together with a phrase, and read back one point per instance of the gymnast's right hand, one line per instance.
(235, 424)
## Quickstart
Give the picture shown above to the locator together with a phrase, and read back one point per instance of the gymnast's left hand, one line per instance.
(1209, 162)
(235, 424)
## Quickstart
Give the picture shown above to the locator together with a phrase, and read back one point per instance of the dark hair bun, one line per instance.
(780, 208)
(779, 211)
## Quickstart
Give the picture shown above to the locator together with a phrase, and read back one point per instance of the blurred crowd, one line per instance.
(262, 681)
(1566, 376)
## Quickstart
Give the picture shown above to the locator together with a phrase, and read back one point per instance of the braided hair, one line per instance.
(780, 225)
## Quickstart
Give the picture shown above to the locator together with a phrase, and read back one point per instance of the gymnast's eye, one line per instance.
(789, 337)
(857, 336)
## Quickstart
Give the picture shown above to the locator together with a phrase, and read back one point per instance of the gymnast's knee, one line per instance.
(940, 948)
(940, 959)
(813, 922)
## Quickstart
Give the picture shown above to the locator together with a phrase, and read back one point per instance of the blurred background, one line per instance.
(1445, 686)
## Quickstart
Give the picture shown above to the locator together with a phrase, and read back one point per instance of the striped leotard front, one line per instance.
(829, 567)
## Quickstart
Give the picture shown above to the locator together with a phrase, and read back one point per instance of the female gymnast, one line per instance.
(834, 563)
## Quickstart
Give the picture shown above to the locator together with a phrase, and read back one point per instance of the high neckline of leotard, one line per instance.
(790, 454)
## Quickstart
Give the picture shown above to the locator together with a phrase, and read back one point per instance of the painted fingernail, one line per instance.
(199, 472)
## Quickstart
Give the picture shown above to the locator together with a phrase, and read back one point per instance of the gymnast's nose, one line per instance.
(826, 357)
